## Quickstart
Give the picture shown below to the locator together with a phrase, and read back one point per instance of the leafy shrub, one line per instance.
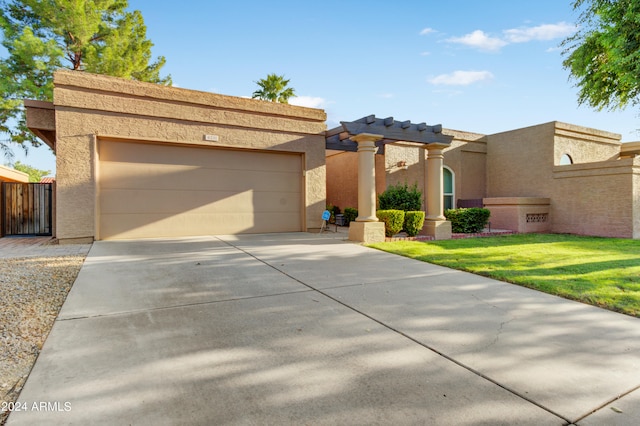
(467, 220)
(393, 221)
(350, 214)
(413, 222)
(401, 197)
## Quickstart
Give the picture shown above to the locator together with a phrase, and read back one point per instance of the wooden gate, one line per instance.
(27, 208)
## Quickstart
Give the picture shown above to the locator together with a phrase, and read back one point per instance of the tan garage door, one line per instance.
(151, 190)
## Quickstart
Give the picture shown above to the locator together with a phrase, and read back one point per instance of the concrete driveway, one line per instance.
(305, 329)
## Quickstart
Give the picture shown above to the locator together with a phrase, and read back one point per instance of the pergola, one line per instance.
(368, 136)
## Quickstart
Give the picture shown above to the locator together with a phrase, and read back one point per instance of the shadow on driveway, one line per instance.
(301, 329)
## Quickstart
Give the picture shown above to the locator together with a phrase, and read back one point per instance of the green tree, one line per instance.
(35, 175)
(604, 55)
(274, 88)
(40, 36)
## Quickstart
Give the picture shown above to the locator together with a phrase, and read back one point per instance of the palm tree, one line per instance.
(274, 88)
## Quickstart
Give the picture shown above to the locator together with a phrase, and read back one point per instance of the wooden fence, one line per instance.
(27, 208)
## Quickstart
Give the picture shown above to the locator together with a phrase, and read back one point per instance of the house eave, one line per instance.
(41, 120)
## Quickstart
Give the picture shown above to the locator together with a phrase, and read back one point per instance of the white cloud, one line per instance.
(545, 32)
(541, 32)
(461, 78)
(479, 40)
(308, 101)
(427, 31)
(425, 53)
(386, 95)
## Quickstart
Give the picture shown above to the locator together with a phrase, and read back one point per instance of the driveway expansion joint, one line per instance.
(610, 401)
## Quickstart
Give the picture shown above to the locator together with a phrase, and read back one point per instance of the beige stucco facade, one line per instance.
(518, 175)
(405, 162)
(596, 195)
(91, 109)
(264, 167)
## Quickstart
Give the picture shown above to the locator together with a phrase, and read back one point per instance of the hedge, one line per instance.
(469, 220)
(413, 222)
(401, 197)
(393, 221)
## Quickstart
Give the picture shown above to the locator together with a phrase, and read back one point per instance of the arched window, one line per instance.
(448, 181)
(565, 160)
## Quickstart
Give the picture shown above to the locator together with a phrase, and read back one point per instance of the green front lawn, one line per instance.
(603, 272)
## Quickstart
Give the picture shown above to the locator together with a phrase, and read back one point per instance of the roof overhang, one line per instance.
(340, 138)
(12, 175)
(630, 149)
(41, 120)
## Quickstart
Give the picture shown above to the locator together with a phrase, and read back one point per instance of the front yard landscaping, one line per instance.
(604, 272)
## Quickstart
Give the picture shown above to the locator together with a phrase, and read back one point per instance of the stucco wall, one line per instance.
(594, 196)
(520, 214)
(467, 158)
(585, 145)
(415, 158)
(89, 105)
(636, 198)
(597, 195)
(519, 162)
(342, 179)
(598, 198)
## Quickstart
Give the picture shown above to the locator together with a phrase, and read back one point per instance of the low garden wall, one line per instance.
(519, 214)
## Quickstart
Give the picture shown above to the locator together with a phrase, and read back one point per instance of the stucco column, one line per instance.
(366, 176)
(434, 184)
(436, 225)
(366, 227)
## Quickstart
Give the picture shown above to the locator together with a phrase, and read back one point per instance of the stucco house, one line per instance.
(553, 177)
(138, 160)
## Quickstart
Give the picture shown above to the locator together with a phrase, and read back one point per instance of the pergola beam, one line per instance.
(394, 131)
(341, 142)
(368, 136)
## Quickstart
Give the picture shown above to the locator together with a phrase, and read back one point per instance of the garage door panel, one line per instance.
(155, 154)
(130, 226)
(131, 175)
(138, 201)
(154, 190)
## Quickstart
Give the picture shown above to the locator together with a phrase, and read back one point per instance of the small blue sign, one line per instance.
(326, 215)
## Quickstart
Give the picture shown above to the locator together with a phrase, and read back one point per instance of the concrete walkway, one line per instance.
(308, 329)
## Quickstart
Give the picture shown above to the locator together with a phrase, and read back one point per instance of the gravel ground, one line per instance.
(32, 290)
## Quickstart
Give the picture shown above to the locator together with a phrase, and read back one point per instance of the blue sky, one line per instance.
(482, 67)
